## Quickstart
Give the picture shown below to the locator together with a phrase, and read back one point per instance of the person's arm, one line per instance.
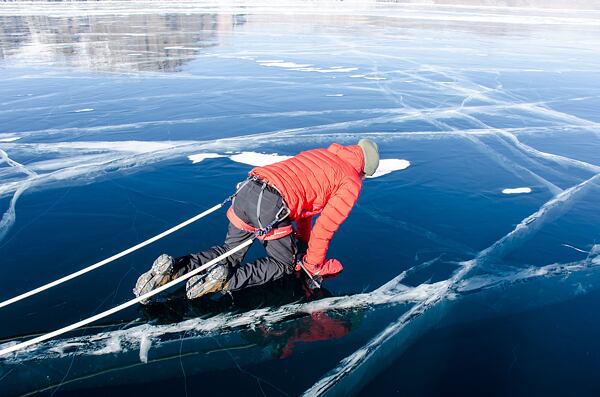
(304, 226)
(333, 215)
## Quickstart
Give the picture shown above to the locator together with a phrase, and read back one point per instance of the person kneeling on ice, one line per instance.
(319, 181)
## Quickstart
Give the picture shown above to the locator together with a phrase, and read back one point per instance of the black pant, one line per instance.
(281, 252)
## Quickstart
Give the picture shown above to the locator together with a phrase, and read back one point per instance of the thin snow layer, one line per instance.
(250, 158)
(333, 69)
(258, 159)
(306, 67)
(199, 157)
(283, 64)
(255, 159)
(387, 166)
(517, 190)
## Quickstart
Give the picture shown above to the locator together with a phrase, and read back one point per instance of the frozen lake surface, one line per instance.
(471, 259)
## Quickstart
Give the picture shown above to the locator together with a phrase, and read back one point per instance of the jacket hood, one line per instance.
(353, 155)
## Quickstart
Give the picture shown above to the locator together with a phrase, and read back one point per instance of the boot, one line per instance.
(158, 275)
(214, 281)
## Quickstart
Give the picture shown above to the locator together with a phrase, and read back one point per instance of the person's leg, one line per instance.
(257, 205)
(279, 262)
(234, 238)
(281, 252)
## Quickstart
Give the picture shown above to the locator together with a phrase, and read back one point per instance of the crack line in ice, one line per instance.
(463, 112)
(409, 113)
(9, 217)
(446, 288)
(504, 161)
(575, 248)
(9, 137)
(247, 141)
(391, 293)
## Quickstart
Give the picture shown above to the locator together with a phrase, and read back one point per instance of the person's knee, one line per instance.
(287, 264)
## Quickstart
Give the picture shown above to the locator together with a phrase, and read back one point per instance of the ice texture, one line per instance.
(121, 119)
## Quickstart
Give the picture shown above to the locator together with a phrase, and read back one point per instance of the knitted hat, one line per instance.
(371, 154)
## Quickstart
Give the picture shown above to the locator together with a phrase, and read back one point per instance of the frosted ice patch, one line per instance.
(305, 67)
(145, 344)
(374, 78)
(285, 64)
(387, 166)
(83, 110)
(356, 76)
(326, 70)
(517, 190)
(112, 345)
(119, 146)
(258, 159)
(334, 95)
(9, 137)
(196, 158)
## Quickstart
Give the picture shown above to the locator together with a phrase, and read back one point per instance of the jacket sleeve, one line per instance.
(304, 226)
(333, 215)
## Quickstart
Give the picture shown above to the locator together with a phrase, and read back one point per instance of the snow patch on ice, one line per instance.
(334, 95)
(197, 158)
(518, 190)
(83, 110)
(285, 64)
(327, 70)
(255, 159)
(387, 166)
(305, 67)
(258, 159)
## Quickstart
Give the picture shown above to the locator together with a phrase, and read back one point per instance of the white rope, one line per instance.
(108, 260)
(122, 306)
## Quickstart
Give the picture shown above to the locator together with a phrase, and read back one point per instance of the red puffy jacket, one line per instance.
(326, 181)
